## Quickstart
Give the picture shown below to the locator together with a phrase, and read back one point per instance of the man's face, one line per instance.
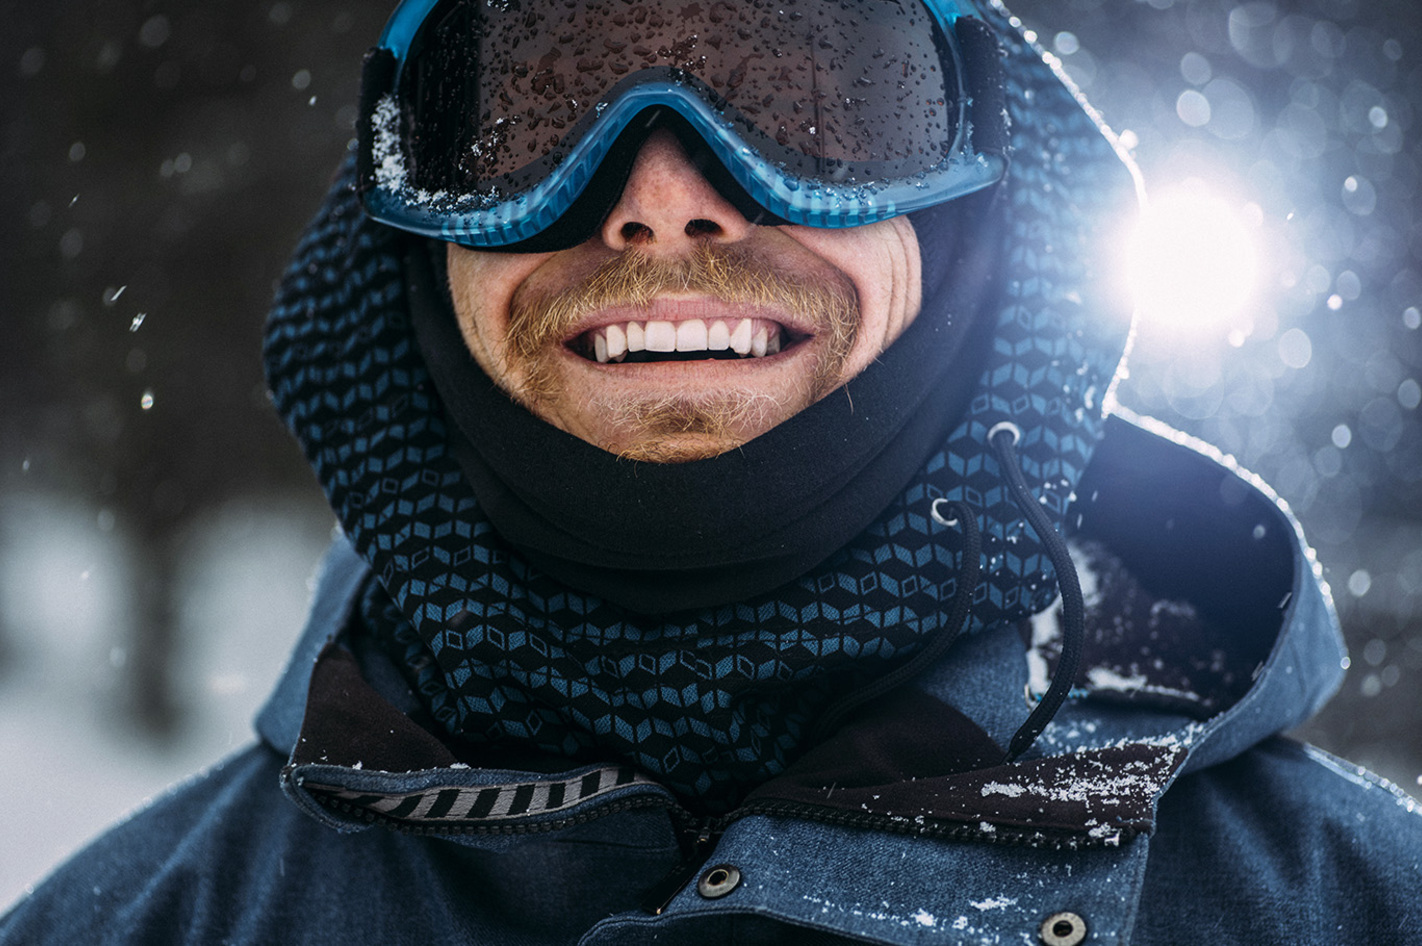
(739, 326)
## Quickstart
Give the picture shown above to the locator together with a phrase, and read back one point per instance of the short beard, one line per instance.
(733, 274)
(678, 427)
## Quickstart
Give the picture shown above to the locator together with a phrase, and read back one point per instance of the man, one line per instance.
(703, 390)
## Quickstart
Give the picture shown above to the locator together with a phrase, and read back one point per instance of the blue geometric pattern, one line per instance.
(715, 701)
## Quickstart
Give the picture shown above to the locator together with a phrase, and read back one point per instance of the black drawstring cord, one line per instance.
(952, 627)
(1002, 438)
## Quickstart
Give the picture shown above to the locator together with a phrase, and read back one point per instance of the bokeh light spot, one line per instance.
(1196, 68)
(1349, 285)
(1192, 261)
(1193, 108)
(1231, 109)
(1295, 348)
(1409, 394)
(1066, 43)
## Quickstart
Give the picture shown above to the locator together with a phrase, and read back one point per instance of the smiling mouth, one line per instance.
(637, 342)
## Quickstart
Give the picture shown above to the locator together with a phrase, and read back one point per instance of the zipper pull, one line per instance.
(664, 891)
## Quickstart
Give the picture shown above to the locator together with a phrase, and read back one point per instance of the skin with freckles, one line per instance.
(674, 250)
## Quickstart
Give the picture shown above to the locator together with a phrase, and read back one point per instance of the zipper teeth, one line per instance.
(685, 821)
(537, 827)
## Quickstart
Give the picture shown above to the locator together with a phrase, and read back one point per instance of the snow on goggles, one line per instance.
(512, 124)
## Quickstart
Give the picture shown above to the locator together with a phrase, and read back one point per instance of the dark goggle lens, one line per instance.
(495, 91)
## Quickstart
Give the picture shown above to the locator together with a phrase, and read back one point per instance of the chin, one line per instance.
(678, 448)
(677, 426)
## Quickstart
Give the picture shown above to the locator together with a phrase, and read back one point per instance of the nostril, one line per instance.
(636, 232)
(699, 228)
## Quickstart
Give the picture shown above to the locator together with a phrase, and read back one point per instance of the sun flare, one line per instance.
(1193, 259)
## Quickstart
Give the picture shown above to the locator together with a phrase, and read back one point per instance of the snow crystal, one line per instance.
(1106, 833)
(1045, 632)
(994, 903)
(997, 788)
(385, 148)
(925, 918)
(389, 160)
(1102, 678)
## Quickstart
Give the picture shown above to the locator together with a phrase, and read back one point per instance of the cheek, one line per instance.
(882, 261)
(482, 285)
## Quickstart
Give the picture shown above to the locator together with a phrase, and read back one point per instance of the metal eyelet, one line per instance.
(718, 881)
(1062, 929)
(938, 517)
(1009, 427)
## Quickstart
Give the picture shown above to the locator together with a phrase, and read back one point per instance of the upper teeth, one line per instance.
(755, 337)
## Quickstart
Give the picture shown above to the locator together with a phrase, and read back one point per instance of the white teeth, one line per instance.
(741, 337)
(661, 336)
(616, 341)
(748, 337)
(691, 335)
(718, 337)
(636, 339)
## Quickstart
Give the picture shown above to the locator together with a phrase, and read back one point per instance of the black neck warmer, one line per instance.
(655, 538)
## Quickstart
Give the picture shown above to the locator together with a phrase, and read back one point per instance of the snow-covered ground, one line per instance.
(73, 763)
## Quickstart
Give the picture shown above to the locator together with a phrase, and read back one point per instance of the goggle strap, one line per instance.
(377, 79)
(987, 85)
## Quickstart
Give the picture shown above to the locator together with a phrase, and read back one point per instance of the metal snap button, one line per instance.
(718, 881)
(1062, 929)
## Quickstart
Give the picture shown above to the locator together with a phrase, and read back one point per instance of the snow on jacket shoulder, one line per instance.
(1143, 819)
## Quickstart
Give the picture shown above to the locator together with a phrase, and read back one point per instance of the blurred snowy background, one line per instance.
(157, 526)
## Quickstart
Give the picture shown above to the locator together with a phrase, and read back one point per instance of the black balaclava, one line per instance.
(514, 651)
(657, 538)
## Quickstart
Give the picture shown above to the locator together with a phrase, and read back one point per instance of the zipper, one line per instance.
(698, 841)
(698, 836)
(593, 813)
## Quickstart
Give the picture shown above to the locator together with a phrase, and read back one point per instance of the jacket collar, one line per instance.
(1172, 507)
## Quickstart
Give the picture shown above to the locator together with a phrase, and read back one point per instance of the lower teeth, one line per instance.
(643, 357)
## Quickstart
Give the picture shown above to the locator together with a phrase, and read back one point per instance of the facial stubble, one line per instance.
(669, 427)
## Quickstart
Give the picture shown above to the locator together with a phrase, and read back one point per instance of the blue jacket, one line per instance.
(1138, 817)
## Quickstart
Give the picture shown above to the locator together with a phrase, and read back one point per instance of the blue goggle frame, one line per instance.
(977, 159)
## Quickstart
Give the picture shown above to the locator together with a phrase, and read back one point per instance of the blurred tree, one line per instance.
(158, 162)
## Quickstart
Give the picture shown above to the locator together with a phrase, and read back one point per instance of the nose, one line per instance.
(668, 206)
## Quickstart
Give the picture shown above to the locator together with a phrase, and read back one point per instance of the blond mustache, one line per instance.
(730, 274)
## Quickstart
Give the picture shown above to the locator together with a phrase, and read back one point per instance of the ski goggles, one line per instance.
(513, 124)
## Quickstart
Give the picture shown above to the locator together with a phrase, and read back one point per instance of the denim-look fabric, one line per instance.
(1257, 839)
